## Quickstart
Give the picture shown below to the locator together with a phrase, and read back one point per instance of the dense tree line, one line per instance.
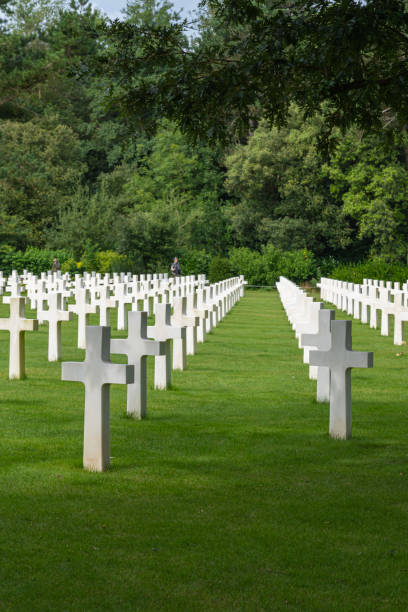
(92, 159)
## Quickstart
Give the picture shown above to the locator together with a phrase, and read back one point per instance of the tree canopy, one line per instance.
(346, 59)
(134, 137)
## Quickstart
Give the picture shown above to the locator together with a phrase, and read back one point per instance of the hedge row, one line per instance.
(259, 268)
(375, 268)
(265, 268)
(34, 260)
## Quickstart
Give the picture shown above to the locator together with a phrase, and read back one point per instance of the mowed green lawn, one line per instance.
(229, 496)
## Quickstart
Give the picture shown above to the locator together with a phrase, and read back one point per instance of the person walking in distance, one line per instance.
(175, 267)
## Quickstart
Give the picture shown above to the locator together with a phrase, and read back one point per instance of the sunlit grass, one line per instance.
(229, 496)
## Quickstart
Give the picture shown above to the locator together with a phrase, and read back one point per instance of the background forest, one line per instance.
(77, 180)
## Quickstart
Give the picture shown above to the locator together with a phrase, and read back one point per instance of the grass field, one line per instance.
(229, 496)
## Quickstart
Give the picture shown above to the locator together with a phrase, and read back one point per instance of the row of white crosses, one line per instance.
(97, 372)
(198, 311)
(327, 345)
(92, 294)
(364, 301)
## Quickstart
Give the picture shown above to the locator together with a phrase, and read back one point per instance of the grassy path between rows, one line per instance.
(229, 496)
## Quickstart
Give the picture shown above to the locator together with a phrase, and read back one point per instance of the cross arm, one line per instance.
(360, 359)
(320, 358)
(177, 333)
(310, 340)
(119, 346)
(154, 347)
(120, 374)
(30, 325)
(73, 371)
(202, 314)
(4, 324)
(186, 321)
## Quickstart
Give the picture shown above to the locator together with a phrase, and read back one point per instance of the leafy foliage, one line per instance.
(94, 156)
(33, 259)
(219, 269)
(283, 195)
(375, 268)
(257, 57)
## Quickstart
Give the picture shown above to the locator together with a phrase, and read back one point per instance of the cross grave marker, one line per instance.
(97, 373)
(137, 347)
(163, 330)
(321, 341)
(55, 315)
(340, 358)
(17, 325)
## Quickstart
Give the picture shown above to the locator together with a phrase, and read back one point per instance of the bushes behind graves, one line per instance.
(220, 268)
(265, 268)
(249, 263)
(194, 261)
(376, 268)
(259, 268)
(33, 259)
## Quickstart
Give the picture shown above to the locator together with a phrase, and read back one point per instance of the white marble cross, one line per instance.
(83, 308)
(97, 373)
(400, 315)
(387, 308)
(203, 305)
(192, 332)
(17, 325)
(15, 292)
(105, 303)
(122, 297)
(180, 319)
(55, 315)
(163, 330)
(340, 358)
(137, 347)
(321, 341)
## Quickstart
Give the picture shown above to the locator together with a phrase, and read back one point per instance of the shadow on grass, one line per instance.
(20, 402)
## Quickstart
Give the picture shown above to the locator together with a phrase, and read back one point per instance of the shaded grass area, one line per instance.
(229, 496)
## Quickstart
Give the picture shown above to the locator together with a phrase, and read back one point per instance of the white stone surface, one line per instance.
(340, 358)
(321, 340)
(97, 373)
(55, 315)
(122, 298)
(181, 319)
(163, 331)
(137, 347)
(105, 304)
(17, 325)
(82, 308)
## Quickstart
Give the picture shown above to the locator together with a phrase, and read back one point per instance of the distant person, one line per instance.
(56, 266)
(175, 267)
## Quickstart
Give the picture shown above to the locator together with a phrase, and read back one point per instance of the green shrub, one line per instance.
(70, 265)
(249, 263)
(298, 266)
(193, 261)
(89, 258)
(272, 264)
(220, 268)
(39, 260)
(109, 261)
(33, 259)
(375, 268)
(7, 253)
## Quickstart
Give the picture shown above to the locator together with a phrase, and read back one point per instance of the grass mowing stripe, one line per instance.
(229, 496)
